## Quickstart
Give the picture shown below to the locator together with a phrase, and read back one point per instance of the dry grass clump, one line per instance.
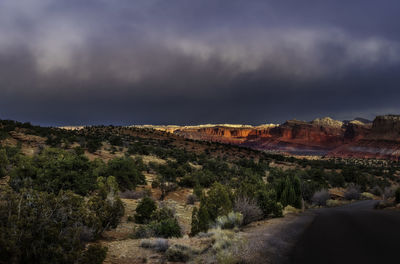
(227, 248)
(367, 196)
(229, 221)
(158, 244)
(335, 203)
(179, 253)
(319, 198)
(290, 209)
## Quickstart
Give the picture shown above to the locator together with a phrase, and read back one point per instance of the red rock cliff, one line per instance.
(323, 136)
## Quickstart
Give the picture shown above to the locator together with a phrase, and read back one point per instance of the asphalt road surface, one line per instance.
(354, 234)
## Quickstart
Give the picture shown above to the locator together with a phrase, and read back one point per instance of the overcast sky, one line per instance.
(72, 62)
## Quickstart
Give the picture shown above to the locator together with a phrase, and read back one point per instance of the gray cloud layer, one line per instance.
(186, 62)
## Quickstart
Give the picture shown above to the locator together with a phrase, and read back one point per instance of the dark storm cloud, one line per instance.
(188, 62)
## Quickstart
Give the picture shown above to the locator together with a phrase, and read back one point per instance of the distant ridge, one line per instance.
(359, 137)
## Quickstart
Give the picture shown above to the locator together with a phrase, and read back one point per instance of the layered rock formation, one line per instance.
(381, 140)
(323, 136)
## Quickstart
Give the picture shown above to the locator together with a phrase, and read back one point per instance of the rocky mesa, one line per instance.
(357, 138)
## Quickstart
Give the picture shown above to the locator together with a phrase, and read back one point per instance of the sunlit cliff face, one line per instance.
(322, 136)
(188, 63)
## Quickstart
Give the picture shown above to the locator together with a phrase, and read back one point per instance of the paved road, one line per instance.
(350, 234)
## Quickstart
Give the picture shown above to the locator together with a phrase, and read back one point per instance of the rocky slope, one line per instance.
(323, 136)
(382, 140)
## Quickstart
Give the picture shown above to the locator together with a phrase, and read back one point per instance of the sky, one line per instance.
(123, 62)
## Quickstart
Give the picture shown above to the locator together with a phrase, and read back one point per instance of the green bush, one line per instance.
(200, 221)
(95, 254)
(3, 135)
(166, 228)
(187, 181)
(3, 163)
(160, 223)
(39, 227)
(107, 204)
(218, 201)
(288, 190)
(93, 144)
(267, 201)
(144, 210)
(143, 231)
(397, 195)
(127, 172)
(54, 170)
(116, 141)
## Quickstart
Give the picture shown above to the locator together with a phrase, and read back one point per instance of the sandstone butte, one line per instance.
(323, 136)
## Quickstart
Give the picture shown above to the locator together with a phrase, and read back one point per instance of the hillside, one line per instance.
(208, 200)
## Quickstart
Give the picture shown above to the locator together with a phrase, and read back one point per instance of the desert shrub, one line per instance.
(115, 140)
(158, 244)
(171, 187)
(248, 208)
(267, 201)
(233, 219)
(352, 192)
(144, 210)
(3, 135)
(162, 213)
(397, 195)
(191, 199)
(367, 195)
(335, 203)
(218, 201)
(290, 209)
(388, 193)
(13, 154)
(161, 244)
(384, 204)
(3, 163)
(155, 184)
(198, 191)
(308, 188)
(93, 144)
(95, 254)
(166, 228)
(376, 190)
(319, 198)
(288, 190)
(160, 223)
(107, 204)
(187, 181)
(143, 231)
(336, 179)
(132, 194)
(40, 227)
(164, 224)
(223, 239)
(54, 170)
(200, 220)
(126, 171)
(178, 253)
